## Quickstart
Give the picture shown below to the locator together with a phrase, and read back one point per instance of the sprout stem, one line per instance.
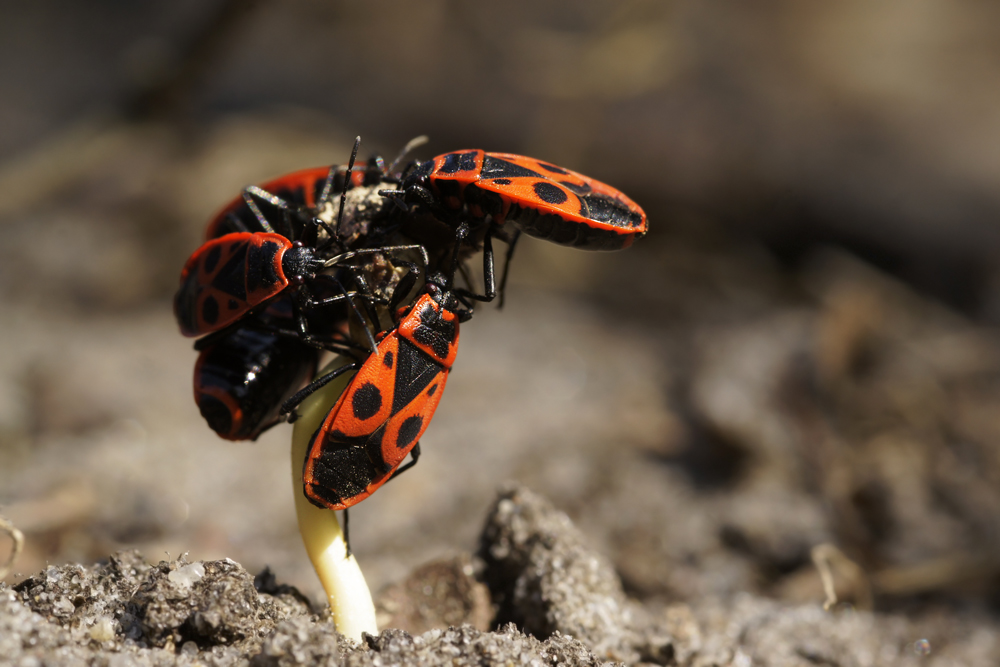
(350, 601)
(17, 537)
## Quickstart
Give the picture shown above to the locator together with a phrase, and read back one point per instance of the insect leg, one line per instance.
(511, 244)
(347, 533)
(317, 384)
(414, 456)
(489, 274)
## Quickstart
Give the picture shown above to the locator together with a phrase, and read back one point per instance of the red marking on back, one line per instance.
(394, 433)
(412, 325)
(206, 272)
(610, 220)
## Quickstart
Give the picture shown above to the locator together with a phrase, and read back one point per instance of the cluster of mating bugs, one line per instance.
(288, 266)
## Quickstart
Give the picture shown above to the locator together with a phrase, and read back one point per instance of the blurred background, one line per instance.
(803, 351)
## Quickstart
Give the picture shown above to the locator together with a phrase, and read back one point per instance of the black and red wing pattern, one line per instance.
(433, 329)
(376, 422)
(541, 199)
(227, 277)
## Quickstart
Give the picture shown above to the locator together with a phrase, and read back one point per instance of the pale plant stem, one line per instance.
(350, 600)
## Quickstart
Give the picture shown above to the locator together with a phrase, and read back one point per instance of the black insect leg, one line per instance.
(489, 274)
(364, 286)
(396, 197)
(314, 386)
(347, 532)
(404, 286)
(365, 294)
(414, 456)
(236, 223)
(417, 192)
(511, 244)
(299, 303)
(338, 344)
(330, 231)
(369, 304)
(303, 300)
(334, 261)
(359, 279)
(312, 303)
(251, 192)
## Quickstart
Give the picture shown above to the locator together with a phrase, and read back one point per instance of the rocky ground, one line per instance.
(789, 386)
(551, 598)
(706, 416)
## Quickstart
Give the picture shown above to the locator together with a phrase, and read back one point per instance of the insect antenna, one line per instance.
(343, 195)
(415, 142)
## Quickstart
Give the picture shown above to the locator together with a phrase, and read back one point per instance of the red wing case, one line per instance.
(226, 278)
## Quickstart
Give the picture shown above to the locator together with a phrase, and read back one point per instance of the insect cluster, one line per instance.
(363, 261)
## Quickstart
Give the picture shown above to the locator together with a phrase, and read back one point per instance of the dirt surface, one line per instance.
(706, 429)
(556, 602)
(796, 373)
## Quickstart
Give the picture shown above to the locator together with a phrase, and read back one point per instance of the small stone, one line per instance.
(62, 606)
(103, 630)
(187, 576)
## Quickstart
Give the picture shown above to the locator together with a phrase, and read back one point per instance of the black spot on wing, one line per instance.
(366, 401)
(458, 162)
(231, 278)
(388, 359)
(502, 181)
(227, 224)
(494, 167)
(432, 391)
(210, 310)
(551, 167)
(408, 431)
(212, 258)
(549, 193)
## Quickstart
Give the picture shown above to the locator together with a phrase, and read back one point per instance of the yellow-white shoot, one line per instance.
(350, 601)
